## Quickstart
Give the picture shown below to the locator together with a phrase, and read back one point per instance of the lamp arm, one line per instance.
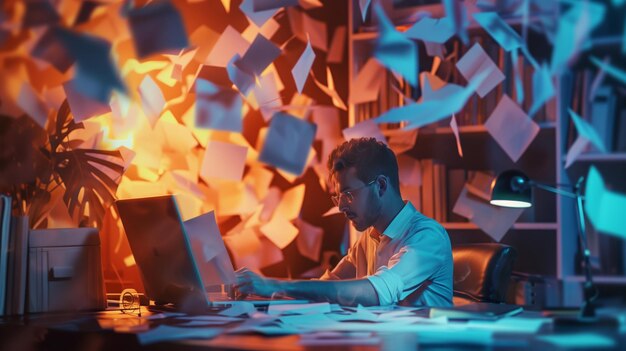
(552, 189)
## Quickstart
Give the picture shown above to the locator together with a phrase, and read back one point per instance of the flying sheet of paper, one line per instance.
(394, 50)
(337, 45)
(96, 75)
(267, 255)
(229, 44)
(455, 130)
(301, 69)
(258, 17)
(152, 99)
(433, 30)
(480, 185)
(364, 7)
(327, 120)
(543, 89)
(368, 82)
(330, 89)
(291, 203)
(494, 221)
(579, 146)
(367, 128)
(223, 161)
(421, 114)
(434, 88)
(260, 179)
(267, 95)
(609, 69)
(242, 79)
(279, 231)
(511, 128)
(518, 66)
(409, 171)
(309, 240)
(400, 140)
(286, 130)
(217, 107)
(604, 207)
(574, 28)
(51, 49)
(316, 31)
(476, 61)
(235, 199)
(587, 131)
(499, 30)
(457, 12)
(31, 103)
(261, 53)
(167, 333)
(209, 251)
(157, 28)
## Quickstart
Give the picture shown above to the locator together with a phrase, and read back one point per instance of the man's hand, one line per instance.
(249, 282)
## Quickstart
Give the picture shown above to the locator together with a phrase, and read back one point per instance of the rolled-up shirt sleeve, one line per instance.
(413, 264)
(345, 269)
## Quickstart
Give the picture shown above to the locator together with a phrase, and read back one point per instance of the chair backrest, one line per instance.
(482, 271)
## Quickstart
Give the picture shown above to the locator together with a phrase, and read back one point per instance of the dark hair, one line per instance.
(369, 157)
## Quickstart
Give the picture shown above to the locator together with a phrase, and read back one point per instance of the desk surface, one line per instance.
(114, 330)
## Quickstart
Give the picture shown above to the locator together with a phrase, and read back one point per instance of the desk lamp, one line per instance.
(512, 188)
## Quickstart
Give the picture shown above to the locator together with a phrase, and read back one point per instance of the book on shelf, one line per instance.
(17, 264)
(5, 228)
(476, 311)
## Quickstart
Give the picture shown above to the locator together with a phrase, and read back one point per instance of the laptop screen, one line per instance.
(162, 251)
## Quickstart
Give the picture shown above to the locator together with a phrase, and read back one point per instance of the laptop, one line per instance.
(182, 263)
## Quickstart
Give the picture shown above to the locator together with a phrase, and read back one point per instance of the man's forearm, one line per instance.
(345, 292)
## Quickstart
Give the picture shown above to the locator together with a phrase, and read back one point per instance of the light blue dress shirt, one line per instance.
(412, 250)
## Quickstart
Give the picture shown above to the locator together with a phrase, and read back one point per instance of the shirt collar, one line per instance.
(401, 221)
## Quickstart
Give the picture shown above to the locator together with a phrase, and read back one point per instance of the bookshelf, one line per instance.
(544, 235)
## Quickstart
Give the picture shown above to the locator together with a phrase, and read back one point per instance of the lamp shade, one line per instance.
(511, 189)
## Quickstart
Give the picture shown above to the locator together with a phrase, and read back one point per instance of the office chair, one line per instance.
(482, 272)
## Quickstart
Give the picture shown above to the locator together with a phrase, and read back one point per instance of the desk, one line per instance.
(114, 330)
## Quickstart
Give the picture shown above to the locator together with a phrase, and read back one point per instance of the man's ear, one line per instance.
(383, 184)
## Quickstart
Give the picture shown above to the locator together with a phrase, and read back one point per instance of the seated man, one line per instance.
(402, 257)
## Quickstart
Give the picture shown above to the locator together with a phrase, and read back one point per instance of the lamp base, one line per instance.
(561, 323)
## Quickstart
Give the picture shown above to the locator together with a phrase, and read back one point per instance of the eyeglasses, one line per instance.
(348, 195)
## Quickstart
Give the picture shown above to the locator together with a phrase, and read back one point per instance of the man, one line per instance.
(402, 257)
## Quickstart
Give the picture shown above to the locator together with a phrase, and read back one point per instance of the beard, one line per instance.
(370, 214)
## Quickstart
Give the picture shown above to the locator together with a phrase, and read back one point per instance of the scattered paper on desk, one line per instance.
(96, 75)
(494, 221)
(455, 130)
(426, 112)
(301, 69)
(432, 30)
(298, 308)
(167, 333)
(157, 28)
(604, 207)
(476, 61)
(587, 131)
(499, 30)
(394, 50)
(334, 339)
(239, 308)
(336, 50)
(364, 129)
(574, 28)
(543, 89)
(217, 107)
(280, 232)
(511, 128)
(258, 17)
(209, 251)
(309, 240)
(517, 325)
(368, 82)
(261, 53)
(229, 44)
(286, 130)
(579, 340)
(579, 146)
(223, 161)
